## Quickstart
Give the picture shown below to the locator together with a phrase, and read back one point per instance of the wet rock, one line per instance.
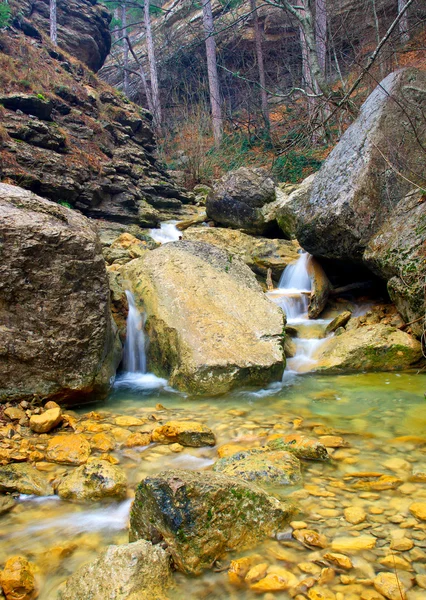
(271, 467)
(308, 537)
(259, 253)
(138, 571)
(55, 299)
(186, 433)
(138, 439)
(124, 421)
(355, 189)
(24, 479)
(125, 248)
(277, 579)
(17, 579)
(340, 560)
(418, 509)
(238, 197)
(353, 544)
(46, 421)
(201, 516)
(395, 563)
(340, 321)
(6, 504)
(210, 326)
(102, 442)
(354, 515)
(94, 481)
(14, 414)
(369, 348)
(321, 288)
(300, 445)
(71, 449)
(239, 568)
(390, 586)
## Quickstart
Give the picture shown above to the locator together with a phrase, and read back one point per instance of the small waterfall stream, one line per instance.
(167, 232)
(292, 295)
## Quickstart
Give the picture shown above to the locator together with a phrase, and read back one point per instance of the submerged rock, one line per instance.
(138, 571)
(277, 467)
(71, 449)
(17, 579)
(58, 340)
(369, 348)
(24, 479)
(200, 516)
(356, 189)
(300, 445)
(238, 197)
(259, 253)
(186, 433)
(211, 328)
(94, 481)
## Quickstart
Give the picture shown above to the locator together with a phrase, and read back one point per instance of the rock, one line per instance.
(186, 433)
(418, 509)
(390, 586)
(14, 414)
(353, 544)
(354, 514)
(138, 571)
(138, 439)
(321, 288)
(300, 445)
(238, 197)
(286, 208)
(6, 504)
(46, 421)
(308, 537)
(355, 189)
(17, 579)
(201, 516)
(54, 301)
(102, 442)
(125, 421)
(277, 579)
(24, 479)
(259, 253)
(395, 563)
(94, 481)
(29, 104)
(369, 348)
(275, 467)
(211, 328)
(71, 449)
(339, 321)
(396, 254)
(340, 560)
(401, 545)
(239, 568)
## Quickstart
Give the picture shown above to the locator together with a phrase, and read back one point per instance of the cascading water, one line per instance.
(167, 232)
(134, 357)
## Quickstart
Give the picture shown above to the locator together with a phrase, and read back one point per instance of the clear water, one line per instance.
(380, 416)
(134, 355)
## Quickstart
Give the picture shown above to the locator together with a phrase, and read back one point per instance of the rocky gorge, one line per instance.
(273, 444)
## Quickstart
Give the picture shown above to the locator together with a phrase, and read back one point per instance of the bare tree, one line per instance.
(125, 48)
(142, 76)
(321, 32)
(260, 64)
(403, 23)
(156, 105)
(53, 22)
(213, 77)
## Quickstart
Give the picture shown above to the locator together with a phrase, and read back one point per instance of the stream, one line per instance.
(375, 422)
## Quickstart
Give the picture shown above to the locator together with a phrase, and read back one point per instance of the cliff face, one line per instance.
(70, 138)
(83, 26)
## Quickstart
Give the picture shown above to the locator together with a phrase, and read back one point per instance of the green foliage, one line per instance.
(41, 97)
(66, 204)
(296, 165)
(4, 14)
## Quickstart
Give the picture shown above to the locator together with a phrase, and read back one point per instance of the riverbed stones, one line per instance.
(211, 327)
(200, 516)
(418, 509)
(238, 197)
(94, 481)
(46, 421)
(73, 449)
(354, 514)
(390, 586)
(18, 580)
(24, 479)
(276, 467)
(186, 433)
(300, 445)
(368, 172)
(353, 544)
(138, 571)
(369, 348)
(339, 321)
(58, 340)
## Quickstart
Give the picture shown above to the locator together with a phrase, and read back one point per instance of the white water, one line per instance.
(167, 232)
(134, 358)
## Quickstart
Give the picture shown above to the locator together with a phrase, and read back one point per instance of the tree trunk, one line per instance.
(212, 72)
(116, 34)
(53, 22)
(125, 49)
(143, 77)
(403, 24)
(260, 64)
(156, 105)
(321, 32)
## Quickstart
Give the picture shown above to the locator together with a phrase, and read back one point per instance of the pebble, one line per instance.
(395, 562)
(390, 586)
(14, 414)
(310, 538)
(348, 544)
(17, 579)
(418, 509)
(340, 560)
(401, 545)
(354, 515)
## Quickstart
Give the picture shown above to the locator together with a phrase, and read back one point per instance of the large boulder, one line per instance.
(200, 516)
(138, 571)
(397, 253)
(259, 253)
(238, 198)
(368, 348)
(57, 338)
(24, 479)
(97, 480)
(285, 210)
(369, 171)
(211, 328)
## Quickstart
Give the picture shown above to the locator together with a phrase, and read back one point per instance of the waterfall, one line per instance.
(167, 232)
(134, 359)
